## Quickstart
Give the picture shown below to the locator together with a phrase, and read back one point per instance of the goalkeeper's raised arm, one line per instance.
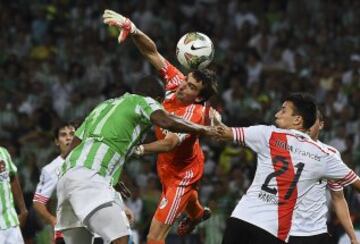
(146, 46)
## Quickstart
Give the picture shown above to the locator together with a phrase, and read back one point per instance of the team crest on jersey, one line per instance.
(163, 203)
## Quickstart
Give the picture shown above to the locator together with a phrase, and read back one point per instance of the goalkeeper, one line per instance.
(180, 163)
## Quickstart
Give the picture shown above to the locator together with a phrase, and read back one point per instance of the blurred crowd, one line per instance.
(58, 61)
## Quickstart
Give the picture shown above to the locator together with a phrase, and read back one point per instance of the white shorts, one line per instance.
(11, 235)
(109, 221)
(80, 191)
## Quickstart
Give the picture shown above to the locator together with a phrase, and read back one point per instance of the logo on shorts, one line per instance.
(163, 203)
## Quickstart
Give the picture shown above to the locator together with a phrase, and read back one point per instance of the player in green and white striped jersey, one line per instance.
(9, 189)
(100, 147)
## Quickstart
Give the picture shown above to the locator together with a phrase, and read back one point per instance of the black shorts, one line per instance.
(316, 239)
(238, 231)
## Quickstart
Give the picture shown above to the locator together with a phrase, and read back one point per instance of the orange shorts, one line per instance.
(175, 200)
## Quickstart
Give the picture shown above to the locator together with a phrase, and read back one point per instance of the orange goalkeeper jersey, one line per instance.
(185, 164)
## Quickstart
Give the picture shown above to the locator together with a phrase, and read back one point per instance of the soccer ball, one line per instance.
(195, 50)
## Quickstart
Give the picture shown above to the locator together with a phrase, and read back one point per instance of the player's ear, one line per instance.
(56, 141)
(298, 120)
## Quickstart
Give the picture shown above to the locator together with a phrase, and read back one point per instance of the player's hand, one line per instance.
(22, 217)
(124, 191)
(212, 131)
(53, 221)
(129, 214)
(124, 24)
(139, 150)
(225, 133)
(215, 117)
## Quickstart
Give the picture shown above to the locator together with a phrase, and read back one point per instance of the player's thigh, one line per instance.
(78, 235)
(173, 202)
(117, 224)
(315, 239)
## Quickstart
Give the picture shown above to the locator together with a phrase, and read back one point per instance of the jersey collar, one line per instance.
(300, 133)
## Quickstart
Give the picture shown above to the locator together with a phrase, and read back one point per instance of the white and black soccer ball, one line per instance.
(195, 50)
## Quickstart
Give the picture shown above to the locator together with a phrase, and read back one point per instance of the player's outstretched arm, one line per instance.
(165, 145)
(342, 211)
(146, 46)
(176, 124)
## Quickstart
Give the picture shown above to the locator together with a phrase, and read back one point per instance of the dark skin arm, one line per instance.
(18, 198)
(165, 145)
(177, 124)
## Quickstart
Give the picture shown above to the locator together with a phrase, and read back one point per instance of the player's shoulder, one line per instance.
(3, 149)
(330, 149)
(53, 165)
(169, 70)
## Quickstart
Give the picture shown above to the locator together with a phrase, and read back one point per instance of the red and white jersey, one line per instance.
(289, 164)
(48, 181)
(185, 164)
(311, 213)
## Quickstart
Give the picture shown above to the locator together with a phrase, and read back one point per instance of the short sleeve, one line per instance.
(149, 105)
(12, 166)
(338, 185)
(81, 131)
(171, 76)
(45, 187)
(337, 171)
(255, 137)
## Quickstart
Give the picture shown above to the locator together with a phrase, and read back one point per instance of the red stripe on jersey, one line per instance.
(284, 173)
(348, 179)
(242, 135)
(40, 198)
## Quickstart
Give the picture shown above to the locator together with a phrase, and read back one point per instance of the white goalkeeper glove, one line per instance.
(124, 24)
(139, 150)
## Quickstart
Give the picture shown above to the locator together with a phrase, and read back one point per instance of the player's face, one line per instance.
(285, 118)
(189, 89)
(65, 136)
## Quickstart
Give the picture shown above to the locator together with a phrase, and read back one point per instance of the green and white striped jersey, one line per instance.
(8, 216)
(109, 134)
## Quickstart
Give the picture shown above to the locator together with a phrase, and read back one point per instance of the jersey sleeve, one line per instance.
(338, 185)
(149, 105)
(256, 137)
(338, 173)
(81, 131)
(45, 188)
(12, 166)
(171, 76)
